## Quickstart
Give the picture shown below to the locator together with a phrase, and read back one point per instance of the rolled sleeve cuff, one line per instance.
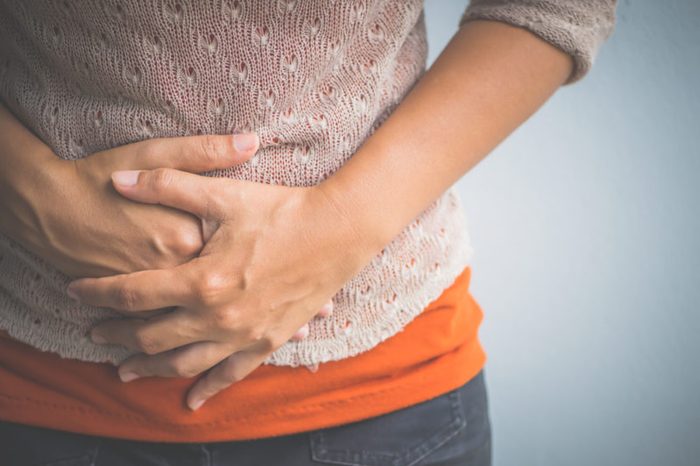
(576, 27)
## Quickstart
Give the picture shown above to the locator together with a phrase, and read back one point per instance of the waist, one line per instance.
(394, 288)
(437, 352)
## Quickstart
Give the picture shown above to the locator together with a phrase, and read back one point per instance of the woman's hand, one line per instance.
(88, 229)
(276, 255)
(67, 212)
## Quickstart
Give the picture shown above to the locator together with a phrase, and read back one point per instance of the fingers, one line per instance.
(185, 362)
(233, 369)
(150, 336)
(193, 193)
(195, 154)
(302, 333)
(138, 291)
(229, 371)
(326, 310)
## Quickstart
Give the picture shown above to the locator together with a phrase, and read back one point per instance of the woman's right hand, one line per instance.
(68, 213)
(88, 230)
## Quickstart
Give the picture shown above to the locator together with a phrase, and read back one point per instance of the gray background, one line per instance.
(587, 253)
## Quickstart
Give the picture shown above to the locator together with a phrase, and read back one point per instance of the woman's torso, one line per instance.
(313, 78)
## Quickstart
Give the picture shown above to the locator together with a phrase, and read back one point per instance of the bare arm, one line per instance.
(294, 248)
(27, 165)
(67, 213)
(488, 80)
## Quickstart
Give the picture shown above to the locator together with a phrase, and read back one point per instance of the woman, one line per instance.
(137, 232)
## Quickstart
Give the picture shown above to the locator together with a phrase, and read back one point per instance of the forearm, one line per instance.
(487, 81)
(27, 166)
(67, 212)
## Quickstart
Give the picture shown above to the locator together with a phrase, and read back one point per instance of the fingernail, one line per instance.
(128, 376)
(302, 333)
(327, 309)
(97, 338)
(126, 177)
(196, 404)
(313, 367)
(245, 141)
(73, 295)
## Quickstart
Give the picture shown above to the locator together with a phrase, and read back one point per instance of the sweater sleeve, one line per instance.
(576, 27)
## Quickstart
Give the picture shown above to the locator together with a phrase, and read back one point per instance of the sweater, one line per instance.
(436, 352)
(313, 78)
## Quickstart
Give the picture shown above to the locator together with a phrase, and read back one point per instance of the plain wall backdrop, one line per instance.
(586, 229)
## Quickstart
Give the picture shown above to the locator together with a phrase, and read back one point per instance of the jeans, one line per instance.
(452, 429)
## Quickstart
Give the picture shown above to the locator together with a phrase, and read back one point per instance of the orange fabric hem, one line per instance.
(75, 418)
(437, 352)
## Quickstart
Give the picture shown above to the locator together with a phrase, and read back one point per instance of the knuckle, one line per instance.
(209, 288)
(160, 178)
(187, 242)
(146, 343)
(126, 298)
(212, 149)
(182, 369)
(172, 243)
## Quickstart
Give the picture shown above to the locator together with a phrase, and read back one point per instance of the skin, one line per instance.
(115, 243)
(294, 247)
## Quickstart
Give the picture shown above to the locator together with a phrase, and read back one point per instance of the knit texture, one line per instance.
(313, 78)
(577, 27)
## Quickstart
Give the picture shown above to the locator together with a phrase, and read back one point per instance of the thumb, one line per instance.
(195, 154)
(193, 193)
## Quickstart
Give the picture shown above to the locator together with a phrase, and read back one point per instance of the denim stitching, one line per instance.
(458, 423)
(410, 458)
(88, 459)
(96, 452)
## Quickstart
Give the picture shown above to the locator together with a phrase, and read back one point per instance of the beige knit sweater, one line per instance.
(313, 77)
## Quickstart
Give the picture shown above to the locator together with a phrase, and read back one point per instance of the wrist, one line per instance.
(351, 216)
(27, 192)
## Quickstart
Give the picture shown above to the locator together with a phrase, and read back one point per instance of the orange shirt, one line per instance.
(435, 353)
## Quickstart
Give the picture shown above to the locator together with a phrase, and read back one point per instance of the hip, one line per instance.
(450, 429)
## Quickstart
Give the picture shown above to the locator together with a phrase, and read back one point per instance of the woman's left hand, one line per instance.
(274, 256)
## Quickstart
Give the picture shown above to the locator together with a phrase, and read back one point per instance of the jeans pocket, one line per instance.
(399, 438)
(24, 445)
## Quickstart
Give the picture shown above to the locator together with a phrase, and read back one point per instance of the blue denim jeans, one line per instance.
(450, 430)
